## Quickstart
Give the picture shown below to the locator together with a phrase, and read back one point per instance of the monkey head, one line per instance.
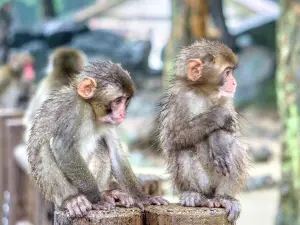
(22, 64)
(67, 60)
(208, 65)
(108, 88)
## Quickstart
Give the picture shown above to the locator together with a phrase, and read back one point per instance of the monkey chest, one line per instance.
(88, 146)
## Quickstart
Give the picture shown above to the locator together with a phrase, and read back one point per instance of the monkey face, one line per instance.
(108, 90)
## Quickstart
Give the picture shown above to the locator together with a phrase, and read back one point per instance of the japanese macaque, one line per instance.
(198, 128)
(64, 64)
(74, 153)
(16, 78)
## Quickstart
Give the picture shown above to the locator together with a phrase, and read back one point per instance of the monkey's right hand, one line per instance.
(78, 206)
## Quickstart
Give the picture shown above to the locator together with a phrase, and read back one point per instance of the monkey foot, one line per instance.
(192, 199)
(231, 206)
(118, 195)
(104, 205)
(78, 206)
(150, 200)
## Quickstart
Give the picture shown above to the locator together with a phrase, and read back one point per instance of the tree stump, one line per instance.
(118, 216)
(174, 214)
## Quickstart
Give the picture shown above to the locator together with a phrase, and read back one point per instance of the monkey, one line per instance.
(16, 79)
(64, 64)
(198, 129)
(74, 153)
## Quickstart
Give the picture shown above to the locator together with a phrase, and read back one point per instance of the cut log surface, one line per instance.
(174, 214)
(118, 216)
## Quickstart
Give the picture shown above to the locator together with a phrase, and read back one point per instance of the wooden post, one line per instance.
(5, 114)
(174, 214)
(25, 199)
(118, 216)
(151, 184)
(13, 134)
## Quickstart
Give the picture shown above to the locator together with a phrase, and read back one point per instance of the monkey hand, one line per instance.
(120, 196)
(230, 125)
(221, 163)
(219, 152)
(231, 205)
(192, 199)
(78, 206)
(150, 200)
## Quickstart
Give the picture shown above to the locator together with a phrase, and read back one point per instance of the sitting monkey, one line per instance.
(198, 129)
(73, 150)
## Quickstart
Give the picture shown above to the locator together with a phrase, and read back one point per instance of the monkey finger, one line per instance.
(217, 204)
(162, 200)
(70, 210)
(76, 209)
(86, 202)
(154, 201)
(81, 206)
(140, 205)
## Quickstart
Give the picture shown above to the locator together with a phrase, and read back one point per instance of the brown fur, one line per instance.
(198, 131)
(74, 159)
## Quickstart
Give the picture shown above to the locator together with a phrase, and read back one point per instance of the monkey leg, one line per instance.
(189, 178)
(100, 166)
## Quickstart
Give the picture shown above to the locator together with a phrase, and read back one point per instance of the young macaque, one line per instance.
(64, 64)
(16, 78)
(73, 150)
(198, 130)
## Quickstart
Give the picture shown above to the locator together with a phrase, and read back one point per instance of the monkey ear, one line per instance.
(86, 88)
(194, 70)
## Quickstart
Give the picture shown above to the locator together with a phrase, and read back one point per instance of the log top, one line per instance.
(119, 215)
(179, 215)
(172, 214)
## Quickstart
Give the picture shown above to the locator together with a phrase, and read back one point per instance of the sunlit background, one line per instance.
(144, 36)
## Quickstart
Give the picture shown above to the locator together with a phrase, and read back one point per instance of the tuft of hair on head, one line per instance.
(203, 49)
(107, 73)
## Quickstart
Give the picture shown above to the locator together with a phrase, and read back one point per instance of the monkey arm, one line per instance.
(121, 168)
(186, 134)
(220, 145)
(73, 166)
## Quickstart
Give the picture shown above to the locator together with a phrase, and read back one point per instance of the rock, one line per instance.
(257, 65)
(263, 154)
(132, 54)
(260, 182)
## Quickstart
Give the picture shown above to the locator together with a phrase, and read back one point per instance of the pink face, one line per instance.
(227, 81)
(117, 112)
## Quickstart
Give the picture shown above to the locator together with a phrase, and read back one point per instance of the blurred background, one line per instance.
(144, 36)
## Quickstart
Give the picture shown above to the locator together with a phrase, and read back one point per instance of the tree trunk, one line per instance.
(188, 24)
(48, 10)
(288, 93)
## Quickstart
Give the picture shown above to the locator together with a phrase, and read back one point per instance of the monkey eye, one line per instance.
(118, 100)
(227, 72)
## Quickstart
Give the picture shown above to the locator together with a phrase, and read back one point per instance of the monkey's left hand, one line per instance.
(219, 151)
(118, 195)
(150, 200)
